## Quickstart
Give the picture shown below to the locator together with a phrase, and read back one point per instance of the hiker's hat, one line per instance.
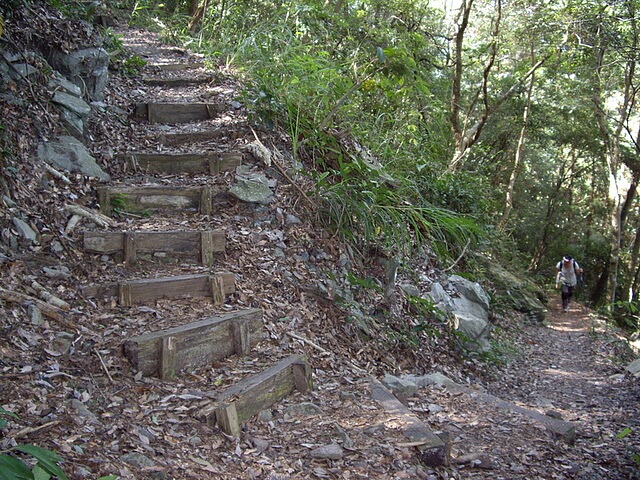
(567, 258)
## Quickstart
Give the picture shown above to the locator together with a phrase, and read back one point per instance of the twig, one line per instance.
(60, 176)
(104, 366)
(50, 311)
(309, 342)
(464, 250)
(97, 217)
(50, 298)
(28, 430)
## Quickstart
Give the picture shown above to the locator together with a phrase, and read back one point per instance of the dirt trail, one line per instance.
(573, 368)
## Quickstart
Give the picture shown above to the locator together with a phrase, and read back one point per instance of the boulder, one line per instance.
(517, 292)
(252, 187)
(70, 154)
(469, 308)
(87, 68)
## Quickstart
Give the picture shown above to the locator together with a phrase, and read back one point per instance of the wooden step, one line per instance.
(149, 199)
(200, 343)
(243, 400)
(177, 163)
(179, 138)
(434, 451)
(178, 81)
(149, 290)
(176, 67)
(172, 113)
(202, 245)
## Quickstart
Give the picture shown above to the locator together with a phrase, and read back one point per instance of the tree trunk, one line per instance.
(518, 156)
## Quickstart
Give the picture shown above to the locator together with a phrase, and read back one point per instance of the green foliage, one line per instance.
(46, 461)
(121, 60)
(626, 315)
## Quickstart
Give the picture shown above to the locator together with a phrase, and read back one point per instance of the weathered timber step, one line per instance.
(151, 289)
(202, 245)
(146, 199)
(243, 400)
(177, 163)
(433, 450)
(172, 113)
(560, 428)
(178, 138)
(177, 81)
(175, 67)
(200, 343)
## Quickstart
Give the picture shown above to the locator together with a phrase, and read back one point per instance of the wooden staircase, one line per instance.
(167, 353)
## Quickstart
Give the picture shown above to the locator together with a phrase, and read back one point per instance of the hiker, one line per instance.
(568, 271)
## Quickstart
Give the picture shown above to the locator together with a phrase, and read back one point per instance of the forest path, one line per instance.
(573, 368)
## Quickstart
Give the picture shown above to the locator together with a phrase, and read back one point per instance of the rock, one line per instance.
(59, 83)
(519, 293)
(399, 386)
(24, 230)
(84, 414)
(138, 460)
(60, 271)
(470, 290)
(634, 368)
(470, 311)
(35, 314)
(73, 124)
(252, 187)
(410, 290)
(437, 379)
(303, 409)
(87, 68)
(70, 154)
(72, 103)
(331, 452)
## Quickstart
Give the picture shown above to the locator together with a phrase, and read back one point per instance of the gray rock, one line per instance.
(303, 409)
(138, 460)
(400, 386)
(437, 379)
(471, 290)
(252, 187)
(87, 68)
(84, 414)
(332, 452)
(24, 230)
(70, 154)
(35, 314)
(58, 82)
(73, 124)
(411, 290)
(634, 368)
(72, 103)
(60, 271)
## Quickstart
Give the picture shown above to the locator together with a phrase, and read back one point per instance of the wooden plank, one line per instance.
(196, 344)
(174, 67)
(178, 163)
(151, 289)
(243, 400)
(202, 245)
(168, 358)
(130, 247)
(216, 286)
(433, 451)
(154, 198)
(178, 81)
(174, 139)
(173, 113)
